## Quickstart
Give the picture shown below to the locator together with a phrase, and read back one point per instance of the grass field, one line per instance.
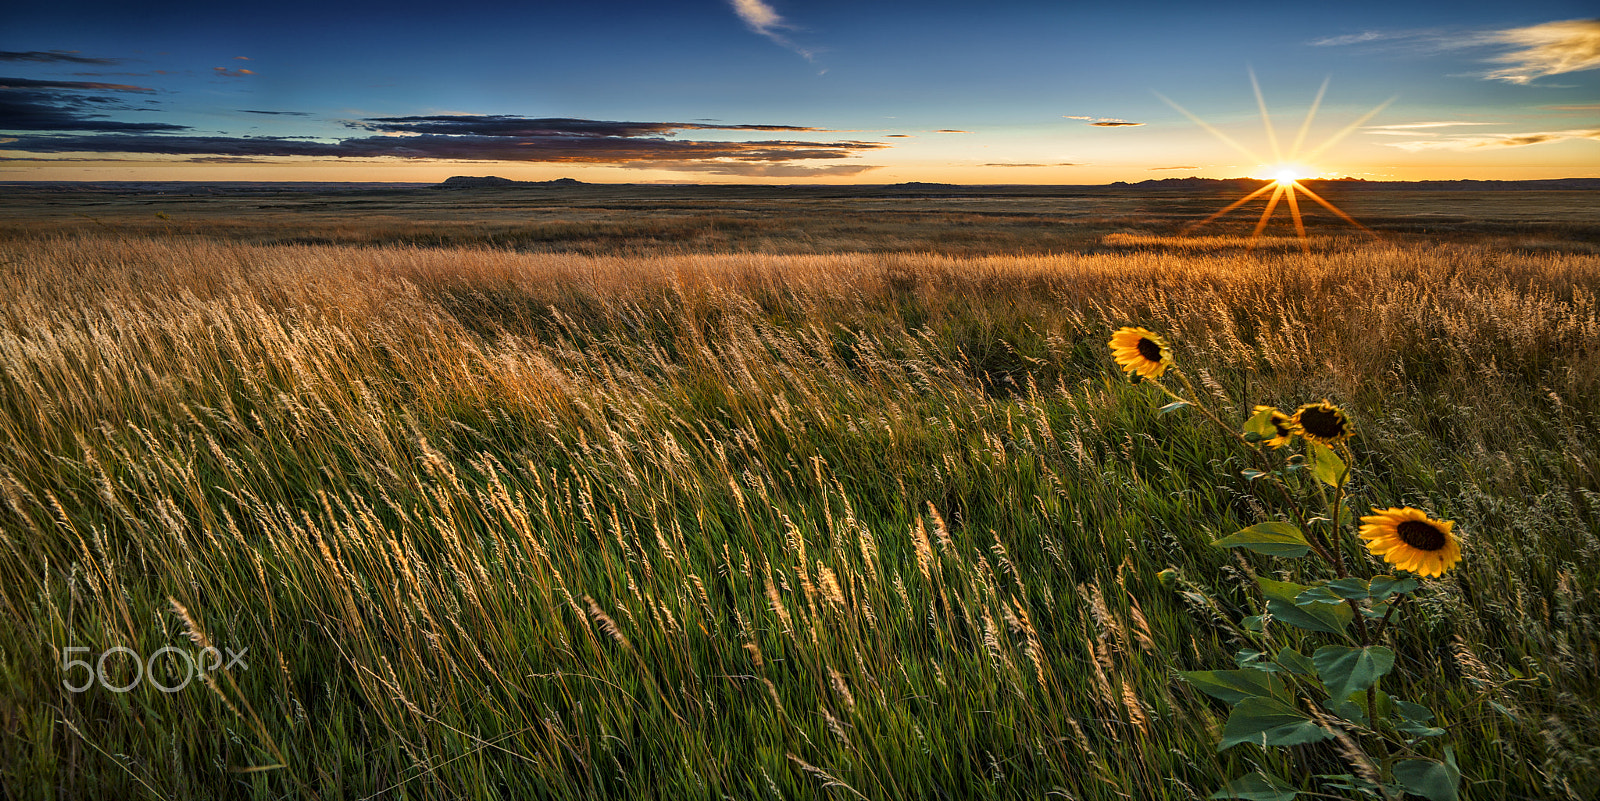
(755, 524)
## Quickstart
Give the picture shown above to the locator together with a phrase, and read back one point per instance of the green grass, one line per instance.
(750, 525)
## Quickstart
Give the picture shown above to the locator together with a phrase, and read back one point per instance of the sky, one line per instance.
(785, 91)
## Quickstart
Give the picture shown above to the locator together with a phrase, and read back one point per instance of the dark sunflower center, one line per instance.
(1149, 350)
(1420, 535)
(1322, 423)
(1282, 425)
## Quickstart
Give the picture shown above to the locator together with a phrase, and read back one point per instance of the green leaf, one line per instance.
(1268, 721)
(1280, 597)
(1271, 538)
(1259, 786)
(1233, 686)
(1296, 662)
(1350, 670)
(1251, 473)
(1320, 594)
(1173, 406)
(1385, 586)
(1326, 465)
(1260, 424)
(1433, 780)
(1352, 588)
(1416, 713)
(1354, 706)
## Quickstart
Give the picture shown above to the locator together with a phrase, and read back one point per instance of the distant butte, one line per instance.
(480, 182)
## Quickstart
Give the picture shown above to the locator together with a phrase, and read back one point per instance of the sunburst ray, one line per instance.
(1287, 186)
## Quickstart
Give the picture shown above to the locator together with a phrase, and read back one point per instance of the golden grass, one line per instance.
(742, 524)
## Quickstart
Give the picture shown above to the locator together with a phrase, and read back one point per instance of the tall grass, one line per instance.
(749, 525)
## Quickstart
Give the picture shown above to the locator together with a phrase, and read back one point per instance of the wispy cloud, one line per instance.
(951, 130)
(749, 170)
(276, 113)
(27, 104)
(1057, 164)
(1357, 38)
(1550, 49)
(1406, 126)
(762, 18)
(491, 138)
(1103, 122)
(1179, 167)
(509, 125)
(53, 57)
(227, 73)
(1468, 142)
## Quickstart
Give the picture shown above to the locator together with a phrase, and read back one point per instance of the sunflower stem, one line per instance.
(1259, 459)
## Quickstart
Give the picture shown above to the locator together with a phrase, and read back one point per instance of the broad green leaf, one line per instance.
(1173, 406)
(1251, 623)
(1257, 786)
(1296, 662)
(1326, 465)
(1416, 713)
(1271, 538)
(1349, 670)
(1352, 588)
(1435, 781)
(1260, 424)
(1233, 686)
(1280, 597)
(1354, 706)
(1268, 721)
(1385, 586)
(1319, 594)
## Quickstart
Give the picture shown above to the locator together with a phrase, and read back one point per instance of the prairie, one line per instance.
(769, 516)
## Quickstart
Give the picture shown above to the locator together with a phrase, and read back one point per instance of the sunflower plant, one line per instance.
(1285, 688)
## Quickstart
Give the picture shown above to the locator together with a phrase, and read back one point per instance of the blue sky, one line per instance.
(842, 92)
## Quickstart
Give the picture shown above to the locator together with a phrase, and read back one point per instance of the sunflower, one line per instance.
(1321, 422)
(1281, 424)
(1141, 352)
(1408, 539)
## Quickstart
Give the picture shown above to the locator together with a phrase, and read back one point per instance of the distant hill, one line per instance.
(481, 182)
(1361, 183)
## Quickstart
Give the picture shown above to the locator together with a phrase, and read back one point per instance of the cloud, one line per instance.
(1553, 48)
(1579, 107)
(1179, 167)
(29, 83)
(1465, 142)
(39, 105)
(765, 20)
(1356, 38)
(53, 57)
(225, 72)
(898, 136)
(495, 138)
(280, 113)
(951, 130)
(748, 170)
(1407, 126)
(1103, 122)
(505, 125)
(1058, 164)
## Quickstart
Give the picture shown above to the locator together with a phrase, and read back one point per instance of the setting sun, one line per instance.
(1286, 176)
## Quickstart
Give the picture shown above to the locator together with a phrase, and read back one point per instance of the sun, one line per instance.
(1285, 175)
